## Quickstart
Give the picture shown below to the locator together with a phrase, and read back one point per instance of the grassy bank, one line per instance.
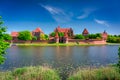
(56, 44)
(30, 73)
(45, 73)
(105, 73)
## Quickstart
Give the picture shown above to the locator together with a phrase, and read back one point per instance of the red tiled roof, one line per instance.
(38, 30)
(14, 34)
(85, 31)
(62, 29)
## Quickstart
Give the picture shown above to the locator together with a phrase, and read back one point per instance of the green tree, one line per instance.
(25, 35)
(7, 37)
(42, 36)
(60, 34)
(52, 34)
(46, 37)
(3, 45)
(34, 38)
(79, 36)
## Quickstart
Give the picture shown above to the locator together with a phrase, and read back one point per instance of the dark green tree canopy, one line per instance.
(3, 45)
(25, 35)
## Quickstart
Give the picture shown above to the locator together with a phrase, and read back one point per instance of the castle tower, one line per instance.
(104, 35)
(85, 32)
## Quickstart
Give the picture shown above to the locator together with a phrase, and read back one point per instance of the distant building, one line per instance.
(85, 32)
(104, 35)
(68, 31)
(37, 33)
(14, 35)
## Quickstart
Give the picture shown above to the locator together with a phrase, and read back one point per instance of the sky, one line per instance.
(95, 15)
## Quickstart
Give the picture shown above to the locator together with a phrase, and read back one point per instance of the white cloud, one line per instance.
(101, 22)
(58, 14)
(86, 13)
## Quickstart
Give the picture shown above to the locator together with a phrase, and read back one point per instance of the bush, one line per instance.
(79, 36)
(105, 73)
(30, 73)
(7, 37)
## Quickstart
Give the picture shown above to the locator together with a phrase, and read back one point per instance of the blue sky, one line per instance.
(95, 15)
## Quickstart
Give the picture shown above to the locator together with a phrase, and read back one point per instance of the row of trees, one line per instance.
(90, 36)
(26, 35)
(113, 39)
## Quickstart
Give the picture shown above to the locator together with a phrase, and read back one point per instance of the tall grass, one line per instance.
(30, 73)
(105, 73)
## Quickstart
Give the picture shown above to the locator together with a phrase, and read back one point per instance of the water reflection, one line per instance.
(58, 57)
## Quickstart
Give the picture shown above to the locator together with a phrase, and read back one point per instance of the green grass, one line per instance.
(45, 73)
(105, 73)
(56, 44)
(30, 73)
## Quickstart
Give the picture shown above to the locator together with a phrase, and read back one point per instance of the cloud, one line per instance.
(58, 14)
(86, 12)
(102, 22)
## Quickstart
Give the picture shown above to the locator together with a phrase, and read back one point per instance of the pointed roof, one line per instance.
(38, 30)
(104, 32)
(85, 31)
(58, 29)
(14, 34)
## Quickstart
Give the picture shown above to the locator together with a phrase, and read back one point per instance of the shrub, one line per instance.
(105, 73)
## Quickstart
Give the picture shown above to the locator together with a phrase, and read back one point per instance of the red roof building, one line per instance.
(37, 33)
(14, 34)
(104, 35)
(85, 32)
(68, 31)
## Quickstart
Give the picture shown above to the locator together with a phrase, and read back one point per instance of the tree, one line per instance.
(25, 35)
(46, 37)
(118, 59)
(60, 34)
(52, 34)
(3, 45)
(79, 36)
(42, 36)
(7, 37)
(34, 38)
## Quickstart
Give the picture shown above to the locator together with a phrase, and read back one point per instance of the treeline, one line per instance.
(89, 36)
(113, 39)
(26, 35)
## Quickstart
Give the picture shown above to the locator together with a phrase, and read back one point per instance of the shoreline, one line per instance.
(60, 44)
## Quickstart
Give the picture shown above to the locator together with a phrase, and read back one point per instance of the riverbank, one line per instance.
(45, 73)
(56, 44)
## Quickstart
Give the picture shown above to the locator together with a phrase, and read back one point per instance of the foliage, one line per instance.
(79, 36)
(3, 45)
(105, 73)
(7, 37)
(119, 59)
(113, 39)
(34, 38)
(25, 35)
(42, 36)
(30, 73)
(95, 36)
(46, 37)
(52, 34)
(60, 34)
